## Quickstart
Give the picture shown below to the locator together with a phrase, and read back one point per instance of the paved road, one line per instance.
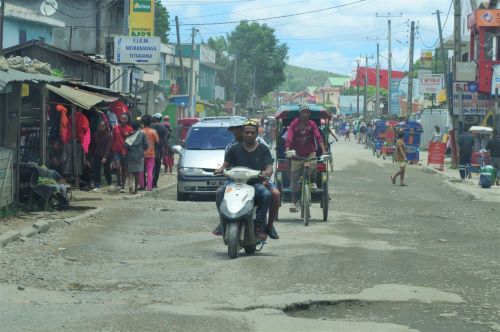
(416, 258)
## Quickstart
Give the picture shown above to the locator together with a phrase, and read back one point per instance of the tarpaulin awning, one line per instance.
(12, 75)
(82, 98)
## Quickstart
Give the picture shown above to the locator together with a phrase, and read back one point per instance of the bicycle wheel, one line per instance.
(306, 204)
(325, 200)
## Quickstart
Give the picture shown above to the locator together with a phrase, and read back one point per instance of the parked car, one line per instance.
(202, 152)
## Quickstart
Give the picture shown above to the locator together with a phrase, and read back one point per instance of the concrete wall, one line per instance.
(36, 31)
(82, 15)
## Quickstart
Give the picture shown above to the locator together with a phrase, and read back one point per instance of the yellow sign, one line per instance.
(25, 90)
(200, 108)
(441, 97)
(142, 18)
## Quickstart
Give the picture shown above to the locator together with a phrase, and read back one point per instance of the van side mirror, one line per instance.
(177, 149)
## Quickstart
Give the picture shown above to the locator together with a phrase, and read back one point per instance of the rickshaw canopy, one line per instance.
(292, 111)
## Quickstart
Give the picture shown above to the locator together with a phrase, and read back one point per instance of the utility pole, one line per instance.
(192, 94)
(389, 57)
(2, 12)
(357, 85)
(365, 92)
(457, 51)
(409, 103)
(183, 80)
(234, 81)
(377, 87)
(454, 156)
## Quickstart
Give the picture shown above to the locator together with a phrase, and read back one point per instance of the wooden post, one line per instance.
(73, 147)
(43, 126)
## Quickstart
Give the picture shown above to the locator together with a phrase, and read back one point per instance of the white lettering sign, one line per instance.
(431, 83)
(473, 103)
(137, 50)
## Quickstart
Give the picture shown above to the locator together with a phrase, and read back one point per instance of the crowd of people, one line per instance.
(134, 150)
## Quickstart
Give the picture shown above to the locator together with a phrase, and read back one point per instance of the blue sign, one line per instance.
(472, 87)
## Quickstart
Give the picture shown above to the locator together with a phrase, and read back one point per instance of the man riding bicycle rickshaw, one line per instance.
(299, 170)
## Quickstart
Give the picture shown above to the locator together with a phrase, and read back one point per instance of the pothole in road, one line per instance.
(421, 316)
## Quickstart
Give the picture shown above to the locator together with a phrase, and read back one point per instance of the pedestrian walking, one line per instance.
(465, 148)
(149, 153)
(161, 131)
(136, 144)
(493, 146)
(100, 153)
(400, 160)
(120, 133)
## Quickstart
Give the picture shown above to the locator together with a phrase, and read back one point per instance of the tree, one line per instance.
(259, 55)
(162, 27)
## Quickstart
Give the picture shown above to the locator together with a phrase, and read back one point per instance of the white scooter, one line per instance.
(237, 212)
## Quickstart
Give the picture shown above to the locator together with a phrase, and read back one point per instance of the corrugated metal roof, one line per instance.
(12, 75)
(84, 99)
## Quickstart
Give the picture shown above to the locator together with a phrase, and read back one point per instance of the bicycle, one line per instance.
(305, 184)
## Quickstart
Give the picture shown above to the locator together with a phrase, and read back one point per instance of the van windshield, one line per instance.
(208, 138)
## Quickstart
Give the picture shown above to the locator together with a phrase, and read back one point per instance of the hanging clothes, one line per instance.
(64, 126)
(82, 130)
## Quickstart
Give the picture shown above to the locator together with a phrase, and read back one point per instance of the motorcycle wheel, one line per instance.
(250, 250)
(233, 243)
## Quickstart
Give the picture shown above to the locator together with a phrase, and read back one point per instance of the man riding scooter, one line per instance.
(253, 155)
(236, 128)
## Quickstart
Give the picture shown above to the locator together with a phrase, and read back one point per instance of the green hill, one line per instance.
(298, 78)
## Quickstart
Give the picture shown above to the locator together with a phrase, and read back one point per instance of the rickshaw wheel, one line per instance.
(325, 200)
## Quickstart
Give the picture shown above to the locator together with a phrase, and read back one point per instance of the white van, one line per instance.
(202, 153)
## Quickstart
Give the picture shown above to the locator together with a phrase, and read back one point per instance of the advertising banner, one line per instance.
(487, 18)
(137, 50)
(395, 108)
(349, 105)
(426, 59)
(435, 156)
(473, 103)
(431, 83)
(142, 18)
(495, 79)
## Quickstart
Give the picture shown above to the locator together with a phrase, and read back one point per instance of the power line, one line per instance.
(277, 17)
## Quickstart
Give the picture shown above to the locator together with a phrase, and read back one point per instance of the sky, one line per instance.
(332, 37)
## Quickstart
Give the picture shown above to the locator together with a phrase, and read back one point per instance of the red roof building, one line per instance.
(372, 77)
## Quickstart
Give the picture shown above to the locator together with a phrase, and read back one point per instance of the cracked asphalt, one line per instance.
(390, 258)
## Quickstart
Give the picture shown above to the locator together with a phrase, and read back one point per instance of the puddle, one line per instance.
(421, 316)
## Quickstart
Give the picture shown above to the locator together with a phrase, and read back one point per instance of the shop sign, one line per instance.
(137, 50)
(394, 98)
(473, 103)
(431, 83)
(487, 18)
(142, 18)
(435, 156)
(466, 71)
(426, 59)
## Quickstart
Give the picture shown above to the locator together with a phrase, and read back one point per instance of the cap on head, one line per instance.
(304, 107)
(157, 116)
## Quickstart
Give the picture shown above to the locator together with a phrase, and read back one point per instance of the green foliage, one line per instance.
(162, 27)
(259, 54)
(297, 78)
(57, 72)
(370, 91)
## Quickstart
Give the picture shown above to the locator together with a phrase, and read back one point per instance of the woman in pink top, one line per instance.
(149, 153)
(303, 136)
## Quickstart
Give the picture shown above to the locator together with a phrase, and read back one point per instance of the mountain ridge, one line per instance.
(299, 78)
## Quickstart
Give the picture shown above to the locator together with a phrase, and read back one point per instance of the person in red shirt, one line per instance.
(120, 133)
(303, 136)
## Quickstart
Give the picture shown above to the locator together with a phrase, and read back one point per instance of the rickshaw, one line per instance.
(284, 116)
(480, 157)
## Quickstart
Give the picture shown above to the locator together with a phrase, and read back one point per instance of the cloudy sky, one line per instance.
(329, 38)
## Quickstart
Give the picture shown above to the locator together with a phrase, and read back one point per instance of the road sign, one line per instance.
(137, 50)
